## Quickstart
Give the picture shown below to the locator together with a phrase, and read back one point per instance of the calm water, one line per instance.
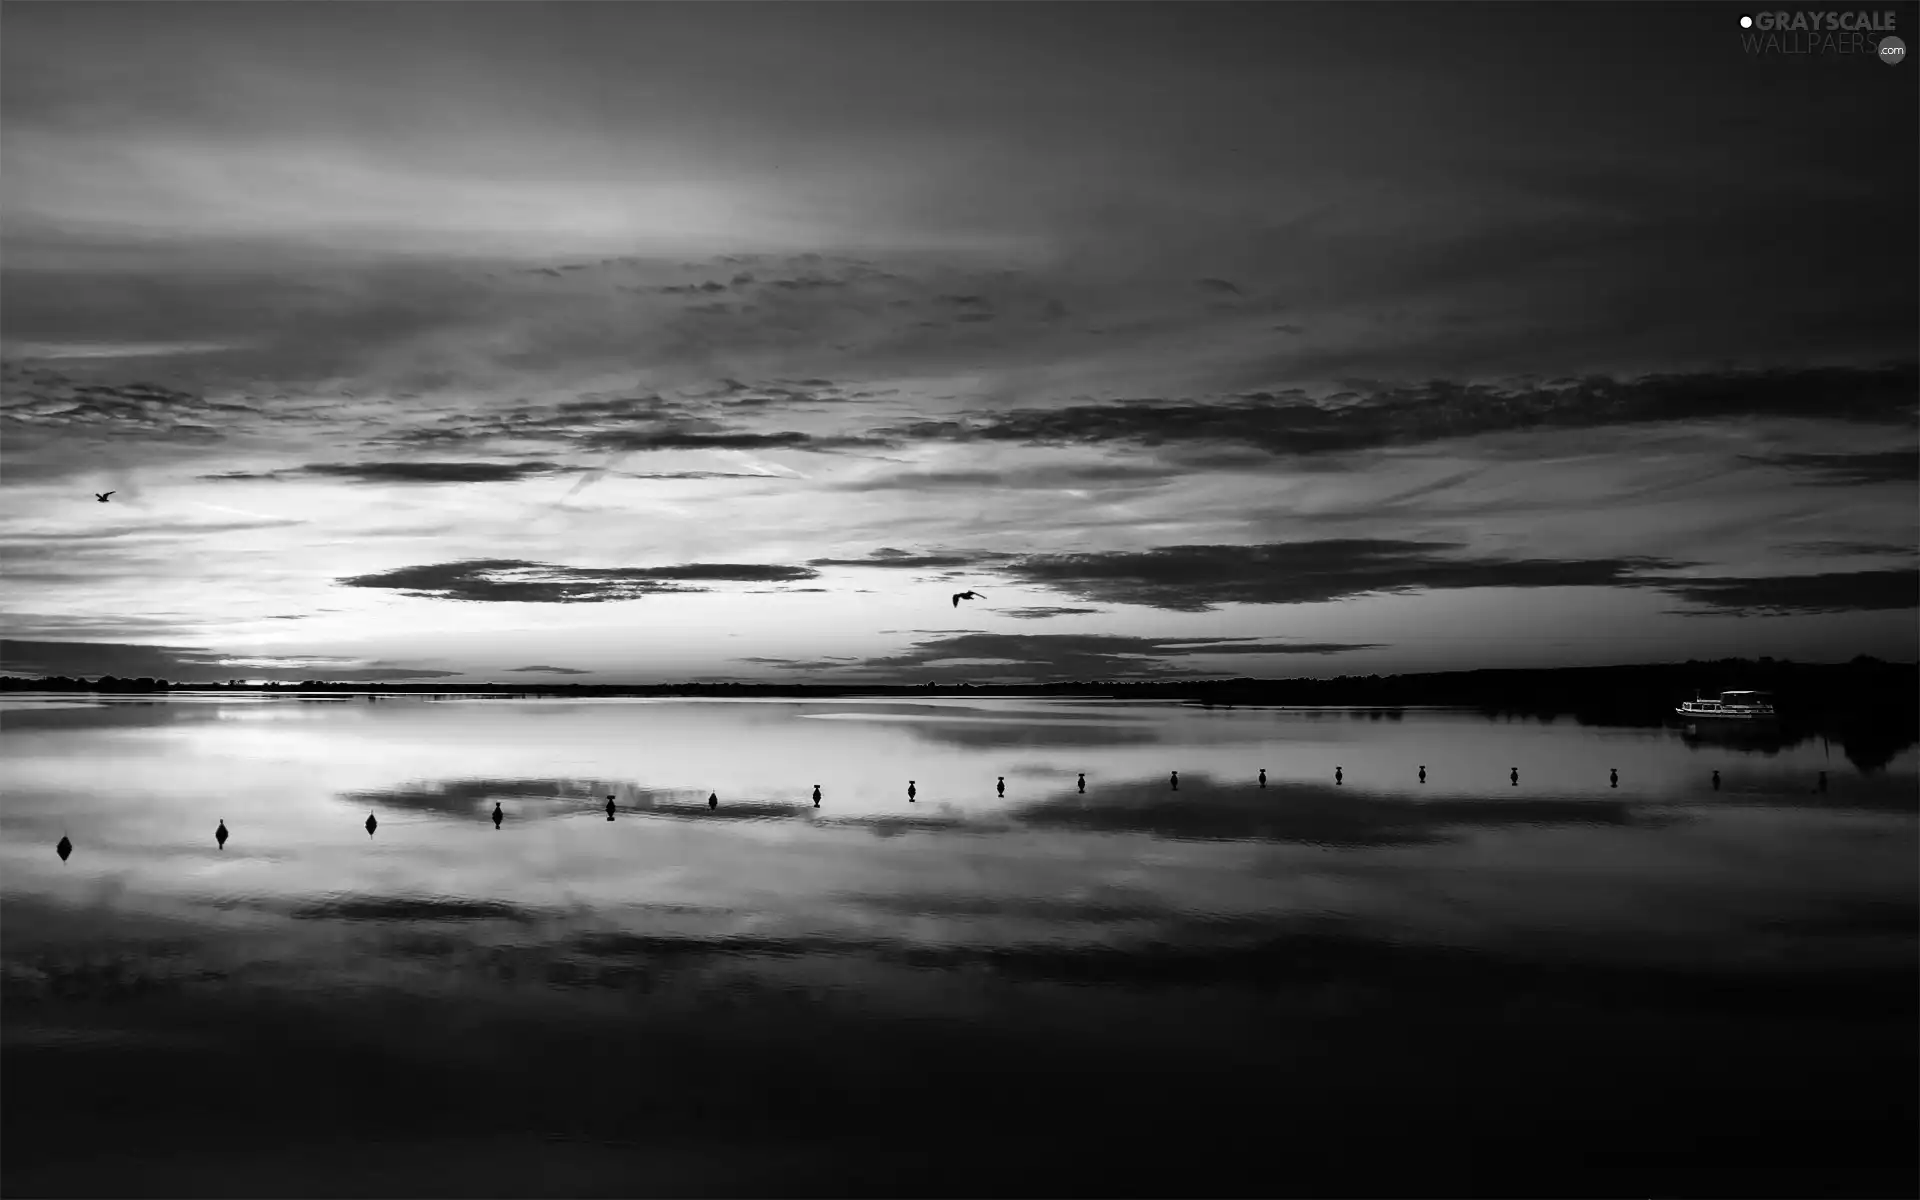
(1462, 985)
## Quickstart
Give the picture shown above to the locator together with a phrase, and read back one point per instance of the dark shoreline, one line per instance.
(1646, 687)
(1863, 702)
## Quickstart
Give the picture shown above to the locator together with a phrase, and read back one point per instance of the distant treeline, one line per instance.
(1871, 708)
(1864, 688)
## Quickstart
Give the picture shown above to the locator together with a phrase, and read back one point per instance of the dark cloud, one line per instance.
(796, 664)
(1041, 612)
(1884, 466)
(433, 472)
(1199, 578)
(668, 439)
(1225, 286)
(544, 670)
(1292, 422)
(901, 560)
(694, 475)
(742, 572)
(519, 581)
(1053, 476)
(1046, 657)
(562, 422)
(1830, 592)
(643, 422)
(1241, 646)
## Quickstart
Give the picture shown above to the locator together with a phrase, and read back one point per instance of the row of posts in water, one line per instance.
(65, 846)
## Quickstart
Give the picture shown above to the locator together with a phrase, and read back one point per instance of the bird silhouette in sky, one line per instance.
(102, 496)
(959, 596)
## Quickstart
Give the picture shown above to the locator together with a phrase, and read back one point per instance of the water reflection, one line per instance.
(1419, 941)
(1751, 737)
(407, 908)
(468, 797)
(1210, 810)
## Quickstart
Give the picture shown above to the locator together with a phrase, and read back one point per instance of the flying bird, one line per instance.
(959, 596)
(102, 496)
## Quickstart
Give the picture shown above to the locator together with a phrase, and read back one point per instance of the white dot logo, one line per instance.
(1892, 50)
(1746, 22)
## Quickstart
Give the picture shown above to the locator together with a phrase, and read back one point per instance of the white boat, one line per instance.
(1731, 706)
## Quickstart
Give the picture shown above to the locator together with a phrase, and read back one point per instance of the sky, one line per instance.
(607, 342)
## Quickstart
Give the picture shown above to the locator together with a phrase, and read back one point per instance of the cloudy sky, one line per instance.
(636, 342)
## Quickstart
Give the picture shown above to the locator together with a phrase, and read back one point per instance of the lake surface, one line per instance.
(1465, 985)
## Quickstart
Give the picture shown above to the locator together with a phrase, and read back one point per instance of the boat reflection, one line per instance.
(1755, 737)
